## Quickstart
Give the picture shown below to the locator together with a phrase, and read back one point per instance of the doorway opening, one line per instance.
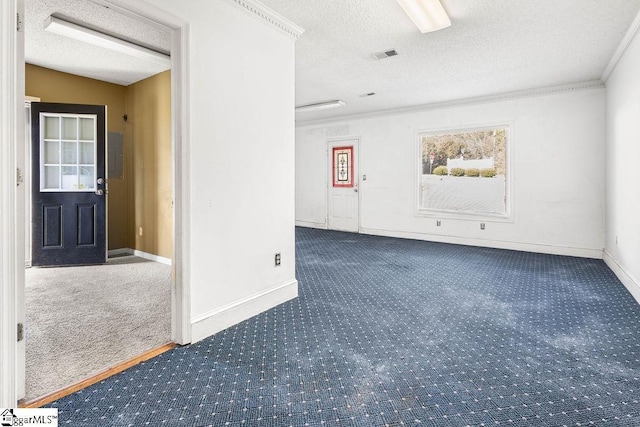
(129, 259)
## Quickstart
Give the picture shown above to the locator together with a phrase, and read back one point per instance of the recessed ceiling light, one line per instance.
(428, 15)
(321, 106)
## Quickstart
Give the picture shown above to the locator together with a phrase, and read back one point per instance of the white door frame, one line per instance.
(12, 124)
(356, 177)
(11, 131)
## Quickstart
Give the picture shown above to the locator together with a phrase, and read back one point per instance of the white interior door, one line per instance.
(343, 199)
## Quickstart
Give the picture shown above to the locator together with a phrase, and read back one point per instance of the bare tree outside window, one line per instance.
(464, 171)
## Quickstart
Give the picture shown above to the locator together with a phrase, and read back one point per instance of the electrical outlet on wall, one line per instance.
(139, 231)
(278, 259)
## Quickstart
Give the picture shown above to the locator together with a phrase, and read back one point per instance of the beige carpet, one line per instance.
(82, 320)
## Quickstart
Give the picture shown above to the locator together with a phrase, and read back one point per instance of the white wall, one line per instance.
(554, 209)
(241, 163)
(622, 249)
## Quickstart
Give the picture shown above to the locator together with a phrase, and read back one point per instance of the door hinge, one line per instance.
(20, 332)
(19, 177)
(18, 22)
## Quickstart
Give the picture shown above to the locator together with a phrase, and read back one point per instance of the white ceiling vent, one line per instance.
(385, 54)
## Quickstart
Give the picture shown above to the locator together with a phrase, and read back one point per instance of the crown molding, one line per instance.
(622, 48)
(263, 13)
(507, 96)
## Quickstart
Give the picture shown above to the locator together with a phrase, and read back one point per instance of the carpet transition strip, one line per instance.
(109, 372)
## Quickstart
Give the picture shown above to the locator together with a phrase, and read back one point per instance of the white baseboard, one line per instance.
(321, 225)
(629, 282)
(224, 317)
(152, 257)
(141, 254)
(515, 246)
(119, 252)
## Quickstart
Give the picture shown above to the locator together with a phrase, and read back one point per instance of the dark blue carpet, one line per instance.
(400, 332)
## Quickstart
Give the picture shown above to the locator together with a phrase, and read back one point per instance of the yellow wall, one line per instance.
(149, 130)
(143, 197)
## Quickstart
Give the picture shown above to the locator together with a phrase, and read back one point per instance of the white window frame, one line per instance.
(466, 215)
(44, 189)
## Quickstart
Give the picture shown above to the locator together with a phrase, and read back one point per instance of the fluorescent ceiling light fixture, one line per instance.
(321, 106)
(87, 35)
(428, 15)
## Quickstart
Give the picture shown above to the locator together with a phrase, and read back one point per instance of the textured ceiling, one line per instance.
(492, 47)
(71, 56)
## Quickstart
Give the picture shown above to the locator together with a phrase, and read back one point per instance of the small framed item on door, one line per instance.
(343, 166)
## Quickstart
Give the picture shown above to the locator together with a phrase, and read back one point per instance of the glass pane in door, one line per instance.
(87, 153)
(51, 152)
(51, 177)
(87, 180)
(69, 128)
(87, 129)
(69, 152)
(52, 128)
(69, 178)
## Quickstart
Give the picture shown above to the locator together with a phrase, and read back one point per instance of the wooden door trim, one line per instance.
(96, 378)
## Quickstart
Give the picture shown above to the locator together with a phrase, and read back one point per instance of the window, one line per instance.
(464, 172)
(67, 152)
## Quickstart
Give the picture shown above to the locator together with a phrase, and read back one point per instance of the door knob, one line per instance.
(355, 189)
(99, 191)
(100, 181)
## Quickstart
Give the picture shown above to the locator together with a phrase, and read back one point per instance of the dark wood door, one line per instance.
(69, 190)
